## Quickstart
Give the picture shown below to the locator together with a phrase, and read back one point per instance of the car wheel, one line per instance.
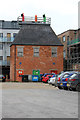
(78, 87)
(59, 87)
(65, 88)
(52, 84)
(70, 89)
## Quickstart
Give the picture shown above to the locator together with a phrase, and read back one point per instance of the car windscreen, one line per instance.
(60, 75)
(66, 75)
(73, 76)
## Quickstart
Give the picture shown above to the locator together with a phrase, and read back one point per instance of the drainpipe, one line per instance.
(15, 64)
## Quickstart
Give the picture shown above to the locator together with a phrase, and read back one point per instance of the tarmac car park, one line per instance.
(62, 81)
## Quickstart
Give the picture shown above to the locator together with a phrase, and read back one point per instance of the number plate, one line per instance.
(61, 83)
(68, 85)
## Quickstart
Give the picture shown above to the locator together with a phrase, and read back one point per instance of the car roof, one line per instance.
(70, 72)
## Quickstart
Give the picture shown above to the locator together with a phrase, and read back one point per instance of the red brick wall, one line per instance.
(44, 62)
(12, 63)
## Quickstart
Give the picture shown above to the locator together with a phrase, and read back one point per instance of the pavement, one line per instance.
(37, 100)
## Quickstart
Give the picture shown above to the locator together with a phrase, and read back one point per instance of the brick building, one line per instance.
(71, 41)
(36, 47)
(65, 38)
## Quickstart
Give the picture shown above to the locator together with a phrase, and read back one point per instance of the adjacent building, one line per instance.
(71, 41)
(8, 31)
(36, 47)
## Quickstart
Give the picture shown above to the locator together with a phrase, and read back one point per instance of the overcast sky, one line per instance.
(63, 13)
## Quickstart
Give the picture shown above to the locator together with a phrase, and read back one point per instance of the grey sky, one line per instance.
(63, 13)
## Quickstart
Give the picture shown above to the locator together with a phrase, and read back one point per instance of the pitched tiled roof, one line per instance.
(36, 34)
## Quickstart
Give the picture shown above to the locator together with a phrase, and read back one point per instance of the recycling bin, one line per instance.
(35, 78)
(25, 78)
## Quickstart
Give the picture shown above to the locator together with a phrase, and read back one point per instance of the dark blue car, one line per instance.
(64, 81)
(60, 77)
(63, 76)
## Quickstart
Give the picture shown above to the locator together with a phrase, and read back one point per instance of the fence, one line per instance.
(40, 20)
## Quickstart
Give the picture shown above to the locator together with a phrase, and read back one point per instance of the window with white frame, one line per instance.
(36, 51)
(54, 51)
(64, 39)
(19, 51)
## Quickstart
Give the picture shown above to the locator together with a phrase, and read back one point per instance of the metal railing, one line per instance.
(6, 39)
(40, 20)
(4, 63)
(73, 41)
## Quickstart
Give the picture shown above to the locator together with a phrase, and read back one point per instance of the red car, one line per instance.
(46, 78)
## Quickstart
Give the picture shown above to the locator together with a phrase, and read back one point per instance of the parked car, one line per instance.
(45, 74)
(52, 79)
(63, 75)
(64, 81)
(73, 82)
(41, 77)
(2, 78)
(46, 78)
(58, 79)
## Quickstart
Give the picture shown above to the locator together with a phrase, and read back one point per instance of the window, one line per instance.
(14, 35)
(1, 57)
(63, 38)
(54, 51)
(9, 36)
(8, 60)
(20, 51)
(1, 46)
(1, 35)
(64, 53)
(66, 75)
(0, 24)
(60, 39)
(73, 76)
(36, 51)
(67, 38)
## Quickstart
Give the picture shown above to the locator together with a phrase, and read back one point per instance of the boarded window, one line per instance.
(9, 36)
(36, 51)
(54, 51)
(20, 51)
